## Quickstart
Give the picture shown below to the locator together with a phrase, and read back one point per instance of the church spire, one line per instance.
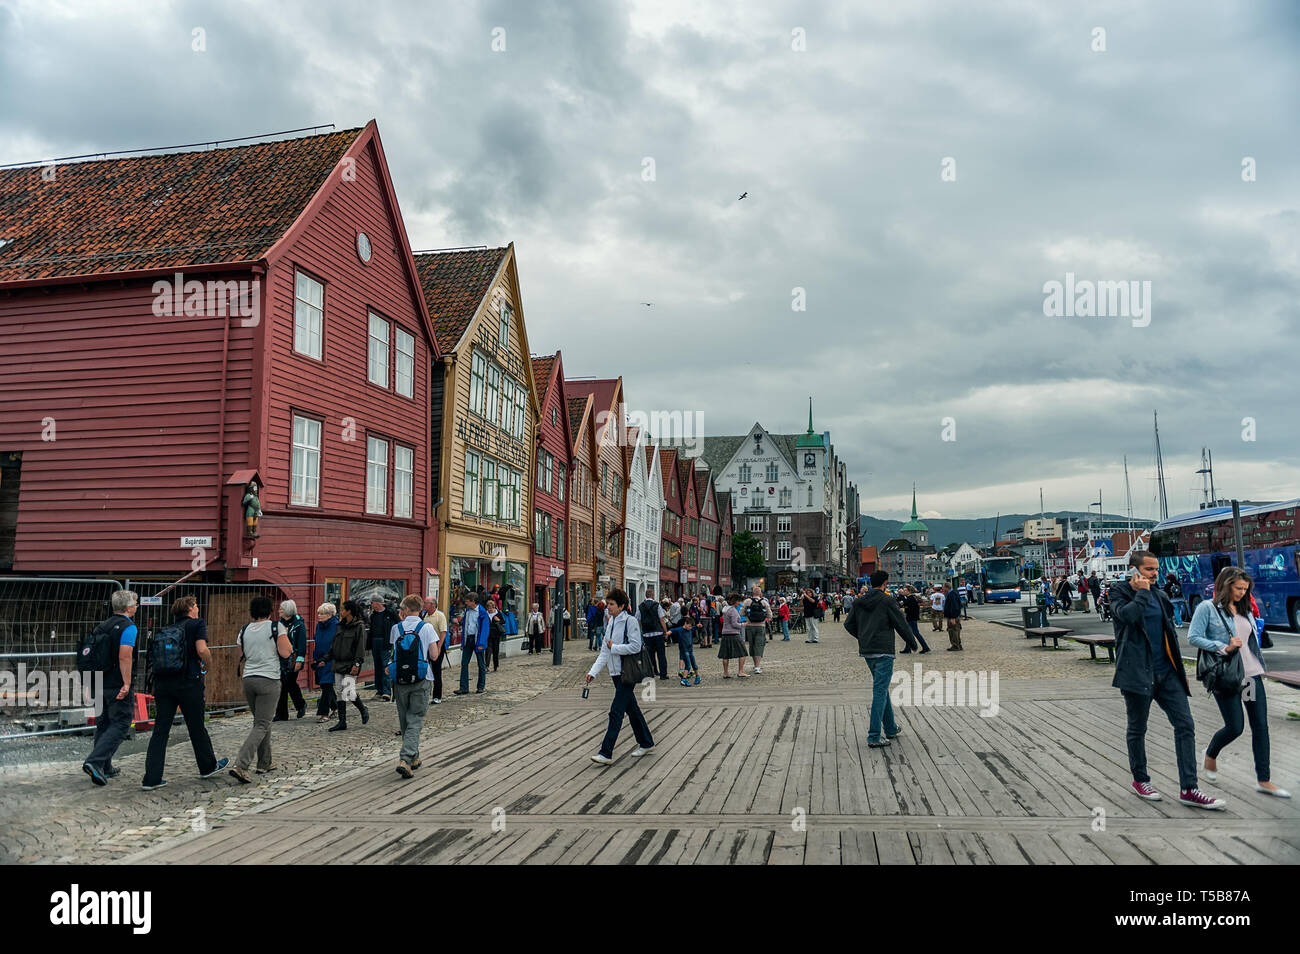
(810, 430)
(913, 501)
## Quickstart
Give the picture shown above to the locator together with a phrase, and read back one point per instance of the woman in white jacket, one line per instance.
(1226, 625)
(622, 638)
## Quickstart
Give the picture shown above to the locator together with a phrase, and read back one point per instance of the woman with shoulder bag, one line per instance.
(536, 630)
(624, 640)
(1221, 627)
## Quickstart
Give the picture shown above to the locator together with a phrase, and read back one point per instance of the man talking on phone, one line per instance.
(1149, 665)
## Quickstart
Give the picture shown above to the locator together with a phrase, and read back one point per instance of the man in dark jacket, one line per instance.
(952, 616)
(296, 627)
(382, 621)
(874, 620)
(1149, 665)
(347, 655)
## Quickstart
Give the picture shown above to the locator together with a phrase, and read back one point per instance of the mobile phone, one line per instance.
(586, 691)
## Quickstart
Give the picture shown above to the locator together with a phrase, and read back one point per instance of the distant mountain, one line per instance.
(877, 532)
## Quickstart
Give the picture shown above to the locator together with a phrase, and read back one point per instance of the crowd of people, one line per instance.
(408, 646)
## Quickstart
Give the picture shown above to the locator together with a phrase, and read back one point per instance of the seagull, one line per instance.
(647, 303)
(742, 195)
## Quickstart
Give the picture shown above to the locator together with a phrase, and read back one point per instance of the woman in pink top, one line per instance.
(733, 638)
(1226, 625)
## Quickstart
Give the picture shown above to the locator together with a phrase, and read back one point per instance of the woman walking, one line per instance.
(912, 613)
(624, 640)
(1225, 625)
(264, 643)
(346, 656)
(536, 630)
(327, 624)
(733, 638)
(296, 627)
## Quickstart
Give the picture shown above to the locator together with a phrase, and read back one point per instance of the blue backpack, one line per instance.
(409, 663)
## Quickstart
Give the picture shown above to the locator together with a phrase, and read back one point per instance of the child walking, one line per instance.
(686, 667)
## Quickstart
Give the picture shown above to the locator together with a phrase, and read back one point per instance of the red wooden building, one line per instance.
(708, 504)
(672, 562)
(175, 326)
(725, 522)
(550, 499)
(690, 526)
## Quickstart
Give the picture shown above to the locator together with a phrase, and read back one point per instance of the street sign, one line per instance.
(151, 601)
(188, 543)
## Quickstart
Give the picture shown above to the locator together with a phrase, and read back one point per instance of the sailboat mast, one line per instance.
(1160, 471)
(1128, 498)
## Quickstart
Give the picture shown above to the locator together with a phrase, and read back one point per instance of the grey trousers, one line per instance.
(412, 703)
(812, 628)
(262, 695)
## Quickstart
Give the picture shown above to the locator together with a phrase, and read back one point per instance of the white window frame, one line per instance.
(758, 524)
(470, 501)
(773, 473)
(783, 549)
(376, 475)
(492, 410)
(403, 481)
(304, 478)
(503, 325)
(308, 315)
(783, 524)
(404, 378)
(561, 475)
(477, 382)
(491, 493)
(745, 473)
(377, 351)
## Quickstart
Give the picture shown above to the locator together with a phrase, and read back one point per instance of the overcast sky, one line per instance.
(924, 297)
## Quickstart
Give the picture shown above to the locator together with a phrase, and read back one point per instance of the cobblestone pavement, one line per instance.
(51, 813)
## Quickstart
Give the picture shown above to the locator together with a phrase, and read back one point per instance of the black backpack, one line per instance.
(169, 651)
(97, 651)
(756, 613)
(648, 617)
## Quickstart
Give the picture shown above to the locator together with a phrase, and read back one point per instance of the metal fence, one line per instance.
(42, 621)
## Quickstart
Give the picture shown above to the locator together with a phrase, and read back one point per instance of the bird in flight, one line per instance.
(742, 195)
(647, 303)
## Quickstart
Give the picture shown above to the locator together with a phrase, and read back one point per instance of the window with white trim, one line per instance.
(308, 315)
(787, 497)
(783, 549)
(305, 471)
(773, 473)
(490, 489)
(403, 481)
(376, 475)
(404, 381)
(757, 524)
(503, 328)
(470, 503)
(745, 473)
(560, 478)
(477, 372)
(783, 524)
(378, 373)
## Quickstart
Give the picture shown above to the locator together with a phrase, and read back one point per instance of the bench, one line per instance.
(1054, 633)
(1092, 642)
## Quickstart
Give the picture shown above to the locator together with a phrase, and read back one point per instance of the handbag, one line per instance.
(636, 666)
(1221, 673)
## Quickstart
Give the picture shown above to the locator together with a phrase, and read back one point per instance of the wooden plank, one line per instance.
(857, 847)
(787, 847)
(1002, 847)
(966, 848)
(706, 726)
(823, 847)
(930, 848)
(1041, 849)
(767, 795)
(893, 848)
(1081, 847)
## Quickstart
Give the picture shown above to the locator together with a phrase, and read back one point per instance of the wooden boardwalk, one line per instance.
(749, 775)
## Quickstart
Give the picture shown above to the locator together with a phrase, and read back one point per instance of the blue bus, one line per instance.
(1000, 579)
(1196, 546)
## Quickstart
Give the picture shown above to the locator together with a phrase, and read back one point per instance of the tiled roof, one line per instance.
(701, 487)
(455, 284)
(717, 451)
(668, 469)
(686, 468)
(160, 211)
(542, 368)
(577, 405)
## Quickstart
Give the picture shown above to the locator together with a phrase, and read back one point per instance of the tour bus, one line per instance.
(1000, 579)
(1196, 546)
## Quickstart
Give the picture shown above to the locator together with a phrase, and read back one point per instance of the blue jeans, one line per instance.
(685, 650)
(378, 652)
(882, 670)
(625, 703)
(479, 654)
(916, 631)
(785, 630)
(596, 636)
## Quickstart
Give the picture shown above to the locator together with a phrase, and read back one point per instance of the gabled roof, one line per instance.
(160, 212)
(580, 411)
(454, 285)
(718, 451)
(703, 486)
(543, 367)
(548, 373)
(686, 469)
(668, 472)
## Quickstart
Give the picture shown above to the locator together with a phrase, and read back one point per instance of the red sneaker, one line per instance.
(1144, 790)
(1198, 799)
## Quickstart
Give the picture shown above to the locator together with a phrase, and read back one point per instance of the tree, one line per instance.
(747, 557)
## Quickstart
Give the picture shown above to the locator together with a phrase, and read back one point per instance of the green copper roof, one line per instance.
(809, 439)
(914, 524)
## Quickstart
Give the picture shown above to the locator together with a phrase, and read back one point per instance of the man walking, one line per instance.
(431, 614)
(115, 694)
(874, 621)
(966, 598)
(382, 621)
(952, 616)
(912, 613)
(654, 629)
(936, 610)
(415, 645)
(810, 612)
(1148, 665)
(473, 642)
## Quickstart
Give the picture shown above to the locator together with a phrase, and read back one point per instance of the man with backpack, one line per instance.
(178, 658)
(874, 621)
(654, 629)
(415, 647)
(110, 649)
